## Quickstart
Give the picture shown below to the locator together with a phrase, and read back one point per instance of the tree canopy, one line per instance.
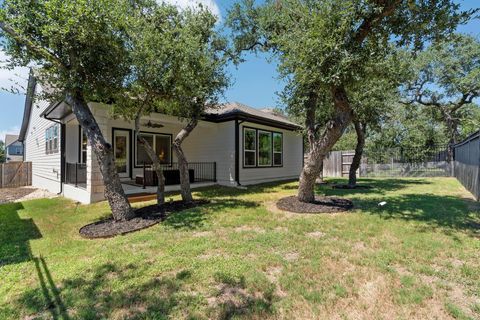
(446, 80)
(326, 48)
(2, 151)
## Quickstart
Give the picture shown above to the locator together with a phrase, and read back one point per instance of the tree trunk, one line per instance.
(156, 163)
(452, 127)
(182, 160)
(114, 193)
(360, 129)
(319, 147)
(320, 176)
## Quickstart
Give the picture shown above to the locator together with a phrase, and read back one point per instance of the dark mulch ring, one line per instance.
(145, 217)
(346, 186)
(320, 205)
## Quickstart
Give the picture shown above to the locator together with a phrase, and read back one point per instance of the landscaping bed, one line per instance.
(320, 205)
(145, 217)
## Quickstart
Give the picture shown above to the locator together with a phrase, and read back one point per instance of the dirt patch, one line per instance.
(8, 195)
(315, 234)
(292, 256)
(249, 229)
(145, 217)
(320, 205)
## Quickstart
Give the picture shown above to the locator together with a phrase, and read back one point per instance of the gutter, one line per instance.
(252, 118)
(62, 151)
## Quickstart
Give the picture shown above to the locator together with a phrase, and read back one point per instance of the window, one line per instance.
(15, 150)
(51, 139)
(83, 147)
(262, 148)
(162, 145)
(277, 149)
(249, 147)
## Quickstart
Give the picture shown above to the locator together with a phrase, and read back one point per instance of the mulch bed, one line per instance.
(145, 217)
(346, 186)
(320, 205)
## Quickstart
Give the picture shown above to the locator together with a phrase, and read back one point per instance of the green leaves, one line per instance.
(177, 60)
(79, 45)
(320, 44)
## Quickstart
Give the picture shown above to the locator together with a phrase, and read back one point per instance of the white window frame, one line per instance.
(50, 137)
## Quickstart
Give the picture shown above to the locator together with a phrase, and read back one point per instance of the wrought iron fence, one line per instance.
(401, 162)
(76, 174)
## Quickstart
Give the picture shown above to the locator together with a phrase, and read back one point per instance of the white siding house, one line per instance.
(233, 145)
(13, 148)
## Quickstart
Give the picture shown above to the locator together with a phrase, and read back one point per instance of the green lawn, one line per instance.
(416, 257)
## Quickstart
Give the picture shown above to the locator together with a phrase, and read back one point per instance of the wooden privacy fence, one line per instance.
(15, 174)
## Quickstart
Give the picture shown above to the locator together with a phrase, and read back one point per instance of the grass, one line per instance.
(239, 257)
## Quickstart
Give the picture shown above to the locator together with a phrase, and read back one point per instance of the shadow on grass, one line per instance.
(378, 186)
(119, 291)
(195, 218)
(448, 212)
(223, 191)
(15, 234)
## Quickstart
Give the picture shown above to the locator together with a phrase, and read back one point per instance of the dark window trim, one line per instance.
(130, 168)
(243, 146)
(157, 133)
(257, 151)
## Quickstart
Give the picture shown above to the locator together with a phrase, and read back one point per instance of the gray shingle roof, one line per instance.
(236, 108)
(10, 138)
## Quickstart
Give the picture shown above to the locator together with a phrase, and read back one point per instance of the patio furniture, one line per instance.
(172, 177)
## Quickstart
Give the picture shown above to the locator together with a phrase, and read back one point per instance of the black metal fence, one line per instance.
(76, 174)
(467, 163)
(401, 162)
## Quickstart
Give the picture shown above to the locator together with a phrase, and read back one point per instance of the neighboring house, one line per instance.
(13, 148)
(233, 145)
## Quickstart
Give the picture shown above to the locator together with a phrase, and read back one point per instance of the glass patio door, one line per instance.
(121, 147)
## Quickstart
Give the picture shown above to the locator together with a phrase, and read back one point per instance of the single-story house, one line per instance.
(13, 148)
(232, 145)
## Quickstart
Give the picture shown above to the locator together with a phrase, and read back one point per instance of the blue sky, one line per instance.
(255, 82)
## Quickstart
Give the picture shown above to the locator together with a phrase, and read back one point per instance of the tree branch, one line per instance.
(32, 45)
(370, 22)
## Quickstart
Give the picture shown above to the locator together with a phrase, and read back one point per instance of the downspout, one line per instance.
(237, 151)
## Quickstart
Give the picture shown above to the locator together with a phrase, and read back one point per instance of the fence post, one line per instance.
(76, 175)
(144, 176)
(214, 172)
(1, 175)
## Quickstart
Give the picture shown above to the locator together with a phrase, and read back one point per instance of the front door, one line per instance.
(121, 146)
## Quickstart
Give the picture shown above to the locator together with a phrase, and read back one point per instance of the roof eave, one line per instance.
(32, 82)
(252, 118)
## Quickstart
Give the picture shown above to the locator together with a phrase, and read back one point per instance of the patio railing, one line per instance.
(76, 174)
(198, 172)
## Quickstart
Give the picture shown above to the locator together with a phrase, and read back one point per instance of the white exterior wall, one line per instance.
(292, 158)
(209, 142)
(45, 167)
